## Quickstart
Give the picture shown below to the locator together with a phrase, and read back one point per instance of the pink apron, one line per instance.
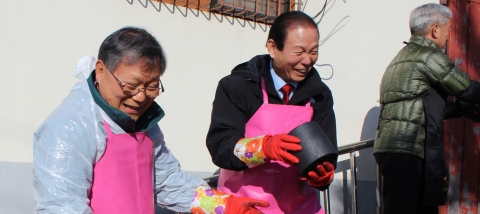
(274, 181)
(122, 178)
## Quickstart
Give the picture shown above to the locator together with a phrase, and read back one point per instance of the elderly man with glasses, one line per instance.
(102, 151)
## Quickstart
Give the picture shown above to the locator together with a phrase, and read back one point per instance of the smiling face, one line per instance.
(112, 92)
(298, 56)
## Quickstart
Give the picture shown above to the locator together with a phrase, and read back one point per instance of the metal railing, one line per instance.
(352, 149)
(345, 149)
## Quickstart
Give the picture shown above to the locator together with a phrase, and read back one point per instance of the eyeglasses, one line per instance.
(132, 90)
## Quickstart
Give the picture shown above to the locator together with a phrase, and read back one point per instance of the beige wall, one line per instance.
(41, 42)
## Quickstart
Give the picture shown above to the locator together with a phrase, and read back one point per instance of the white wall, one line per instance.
(41, 42)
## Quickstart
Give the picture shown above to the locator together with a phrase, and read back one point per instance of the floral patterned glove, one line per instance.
(257, 150)
(207, 200)
(249, 151)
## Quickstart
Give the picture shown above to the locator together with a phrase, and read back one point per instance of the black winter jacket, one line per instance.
(239, 96)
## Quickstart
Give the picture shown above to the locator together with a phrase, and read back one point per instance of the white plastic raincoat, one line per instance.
(72, 139)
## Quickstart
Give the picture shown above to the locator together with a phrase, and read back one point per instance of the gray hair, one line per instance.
(131, 45)
(423, 17)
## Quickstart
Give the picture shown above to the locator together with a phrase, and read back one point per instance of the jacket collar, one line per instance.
(147, 120)
(259, 66)
(278, 82)
(422, 41)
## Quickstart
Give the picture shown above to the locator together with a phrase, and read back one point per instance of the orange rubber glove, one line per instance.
(322, 177)
(276, 147)
(240, 205)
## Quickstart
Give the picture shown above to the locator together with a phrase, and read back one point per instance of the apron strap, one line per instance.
(107, 127)
(264, 91)
(265, 96)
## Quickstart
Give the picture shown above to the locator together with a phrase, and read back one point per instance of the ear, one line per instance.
(434, 31)
(100, 70)
(271, 47)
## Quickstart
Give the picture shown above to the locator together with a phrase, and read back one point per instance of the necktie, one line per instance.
(286, 89)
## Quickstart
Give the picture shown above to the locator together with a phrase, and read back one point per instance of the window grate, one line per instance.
(262, 11)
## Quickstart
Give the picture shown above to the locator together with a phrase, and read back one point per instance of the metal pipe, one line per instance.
(256, 11)
(379, 191)
(230, 10)
(243, 11)
(355, 146)
(218, 7)
(325, 208)
(328, 201)
(266, 13)
(353, 179)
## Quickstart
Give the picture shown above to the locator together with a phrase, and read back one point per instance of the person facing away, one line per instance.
(102, 151)
(254, 109)
(413, 96)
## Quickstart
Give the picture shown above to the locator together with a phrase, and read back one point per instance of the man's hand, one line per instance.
(239, 205)
(322, 176)
(276, 147)
(208, 200)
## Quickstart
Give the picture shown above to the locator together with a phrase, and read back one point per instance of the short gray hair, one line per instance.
(423, 17)
(131, 45)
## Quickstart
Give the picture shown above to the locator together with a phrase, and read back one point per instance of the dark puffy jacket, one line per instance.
(418, 67)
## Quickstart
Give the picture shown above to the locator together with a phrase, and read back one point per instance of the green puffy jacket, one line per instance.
(419, 66)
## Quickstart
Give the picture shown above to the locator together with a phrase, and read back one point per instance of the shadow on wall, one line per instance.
(184, 11)
(340, 189)
(370, 123)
